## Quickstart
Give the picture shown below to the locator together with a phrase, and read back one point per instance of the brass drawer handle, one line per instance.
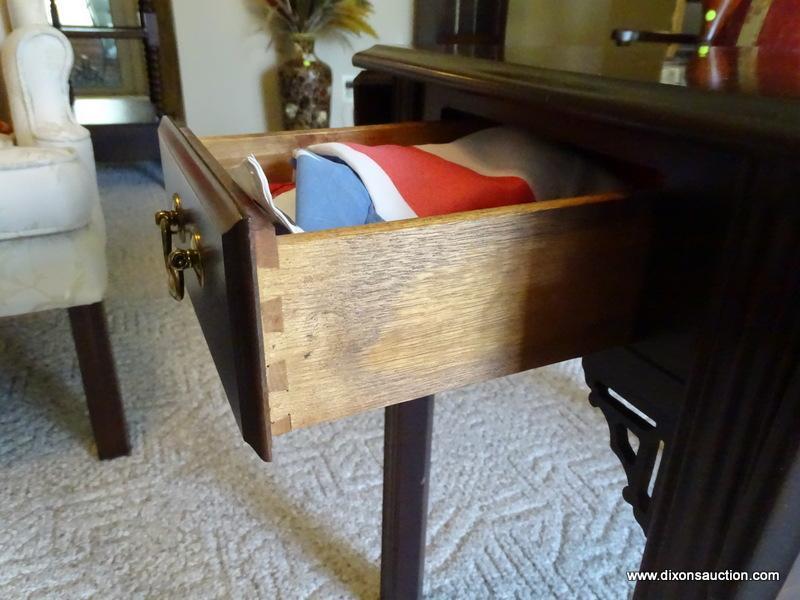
(183, 259)
(178, 260)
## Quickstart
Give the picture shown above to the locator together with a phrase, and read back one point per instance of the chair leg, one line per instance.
(99, 376)
(406, 468)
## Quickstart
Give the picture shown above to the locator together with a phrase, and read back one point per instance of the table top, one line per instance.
(747, 96)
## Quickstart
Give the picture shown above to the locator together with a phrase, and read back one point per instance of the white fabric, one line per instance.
(551, 171)
(52, 233)
(249, 176)
(6, 141)
(83, 148)
(44, 191)
(54, 271)
(389, 202)
(27, 12)
(36, 61)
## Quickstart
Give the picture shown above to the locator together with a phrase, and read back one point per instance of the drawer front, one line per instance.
(226, 304)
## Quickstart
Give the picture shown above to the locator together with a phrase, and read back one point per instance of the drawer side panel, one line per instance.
(387, 313)
(274, 151)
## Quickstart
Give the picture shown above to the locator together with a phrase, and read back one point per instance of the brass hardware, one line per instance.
(174, 219)
(176, 261)
(182, 259)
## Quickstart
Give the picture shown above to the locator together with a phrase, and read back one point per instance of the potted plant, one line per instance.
(305, 80)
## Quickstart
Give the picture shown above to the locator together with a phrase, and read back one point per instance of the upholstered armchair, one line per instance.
(52, 234)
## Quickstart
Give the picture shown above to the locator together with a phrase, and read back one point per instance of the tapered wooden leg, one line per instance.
(406, 468)
(99, 376)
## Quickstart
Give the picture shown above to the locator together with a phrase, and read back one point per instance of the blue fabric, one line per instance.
(330, 194)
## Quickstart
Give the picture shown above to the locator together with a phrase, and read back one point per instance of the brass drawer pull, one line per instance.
(178, 260)
(182, 259)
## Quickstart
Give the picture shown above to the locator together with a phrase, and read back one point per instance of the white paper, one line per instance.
(251, 178)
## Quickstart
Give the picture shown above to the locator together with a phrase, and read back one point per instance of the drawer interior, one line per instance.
(274, 151)
(364, 317)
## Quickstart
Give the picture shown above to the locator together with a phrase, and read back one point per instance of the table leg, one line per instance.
(406, 468)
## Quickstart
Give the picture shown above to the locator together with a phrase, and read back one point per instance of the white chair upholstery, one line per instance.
(27, 12)
(37, 61)
(35, 182)
(52, 235)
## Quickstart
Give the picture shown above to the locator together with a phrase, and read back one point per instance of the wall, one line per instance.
(589, 23)
(566, 22)
(228, 65)
(584, 22)
(394, 23)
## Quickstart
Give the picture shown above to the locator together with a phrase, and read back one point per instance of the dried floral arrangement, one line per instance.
(314, 17)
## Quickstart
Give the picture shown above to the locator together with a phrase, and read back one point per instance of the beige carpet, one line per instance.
(525, 498)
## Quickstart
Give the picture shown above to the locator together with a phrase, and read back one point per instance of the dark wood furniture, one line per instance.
(681, 292)
(406, 480)
(99, 375)
(712, 377)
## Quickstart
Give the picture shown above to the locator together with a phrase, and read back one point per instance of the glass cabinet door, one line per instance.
(108, 41)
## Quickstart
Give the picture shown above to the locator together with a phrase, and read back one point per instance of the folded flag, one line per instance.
(342, 184)
(329, 194)
(404, 182)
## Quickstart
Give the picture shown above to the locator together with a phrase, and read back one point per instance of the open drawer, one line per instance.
(312, 327)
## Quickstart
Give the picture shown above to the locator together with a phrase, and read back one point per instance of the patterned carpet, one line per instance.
(525, 500)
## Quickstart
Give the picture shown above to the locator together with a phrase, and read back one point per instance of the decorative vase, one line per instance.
(305, 86)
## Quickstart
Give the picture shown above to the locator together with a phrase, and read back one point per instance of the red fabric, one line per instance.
(772, 69)
(434, 186)
(276, 189)
(781, 30)
(729, 31)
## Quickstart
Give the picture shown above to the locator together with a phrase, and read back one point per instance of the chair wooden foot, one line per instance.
(406, 469)
(99, 375)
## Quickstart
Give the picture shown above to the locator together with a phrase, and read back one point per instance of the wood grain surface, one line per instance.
(619, 86)
(274, 150)
(381, 314)
(227, 304)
